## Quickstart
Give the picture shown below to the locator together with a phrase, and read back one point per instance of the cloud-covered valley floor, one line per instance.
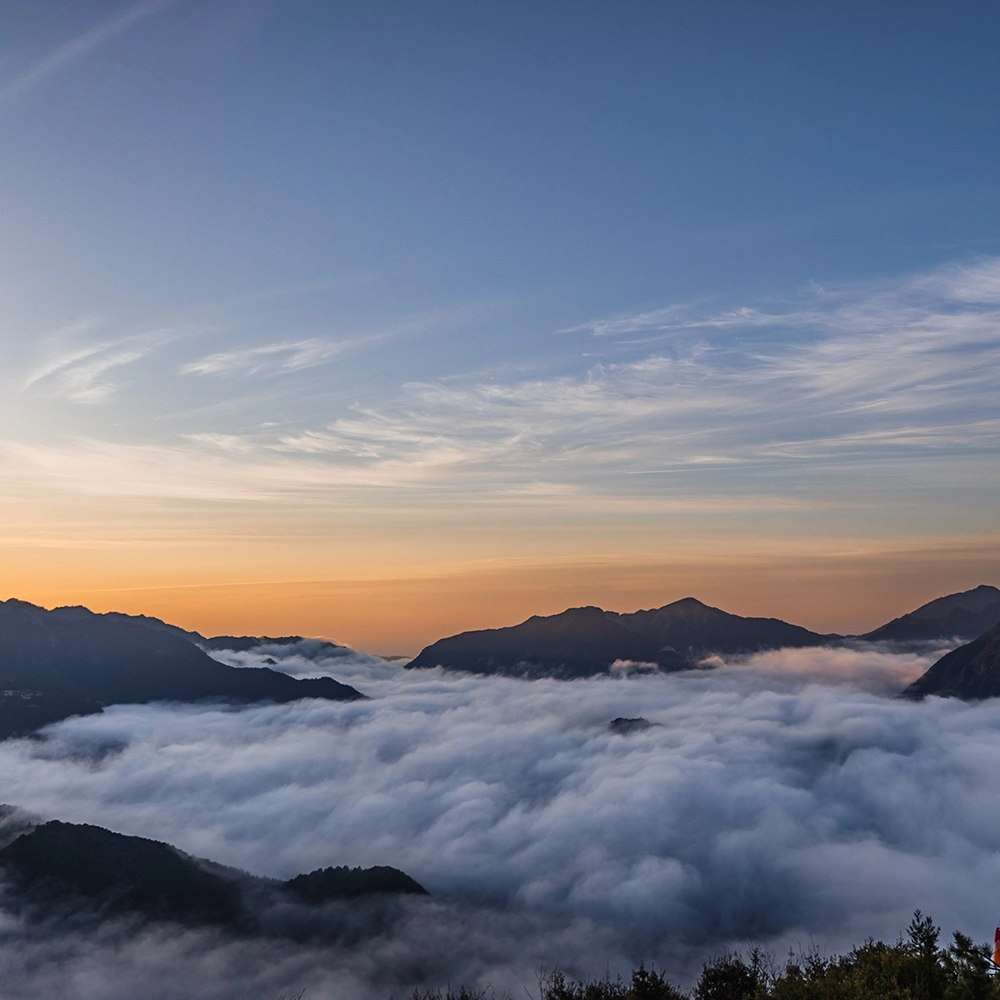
(790, 799)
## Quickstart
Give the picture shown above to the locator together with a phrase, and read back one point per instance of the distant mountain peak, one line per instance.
(965, 615)
(974, 600)
(584, 641)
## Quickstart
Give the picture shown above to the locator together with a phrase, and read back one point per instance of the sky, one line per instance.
(380, 321)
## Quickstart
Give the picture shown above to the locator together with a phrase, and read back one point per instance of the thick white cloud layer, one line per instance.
(772, 799)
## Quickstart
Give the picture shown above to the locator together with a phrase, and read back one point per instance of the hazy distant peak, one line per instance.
(965, 615)
(975, 600)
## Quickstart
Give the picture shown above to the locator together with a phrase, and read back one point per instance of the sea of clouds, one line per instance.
(790, 799)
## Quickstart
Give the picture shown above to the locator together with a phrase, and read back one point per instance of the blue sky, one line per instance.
(316, 291)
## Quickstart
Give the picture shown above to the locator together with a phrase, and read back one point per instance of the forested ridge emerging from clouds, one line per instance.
(915, 967)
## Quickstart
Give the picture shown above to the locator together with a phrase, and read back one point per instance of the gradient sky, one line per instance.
(384, 320)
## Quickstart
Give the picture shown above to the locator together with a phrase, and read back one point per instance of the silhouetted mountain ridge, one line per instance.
(71, 661)
(582, 642)
(966, 615)
(59, 865)
(694, 628)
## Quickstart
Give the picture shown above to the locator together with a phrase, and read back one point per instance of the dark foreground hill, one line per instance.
(70, 661)
(972, 671)
(965, 616)
(582, 642)
(65, 867)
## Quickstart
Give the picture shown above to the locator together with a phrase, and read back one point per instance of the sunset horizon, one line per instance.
(499, 500)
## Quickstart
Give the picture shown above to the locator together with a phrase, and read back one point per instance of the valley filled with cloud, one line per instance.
(788, 798)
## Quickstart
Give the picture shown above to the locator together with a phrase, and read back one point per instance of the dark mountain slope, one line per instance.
(349, 883)
(694, 628)
(576, 643)
(118, 873)
(966, 615)
(972, 671)
(236, 643)
(244, 643)
(71, 661)
(63, 864)
(582, 642)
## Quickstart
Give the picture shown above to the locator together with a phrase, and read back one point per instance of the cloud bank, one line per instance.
(773, 799)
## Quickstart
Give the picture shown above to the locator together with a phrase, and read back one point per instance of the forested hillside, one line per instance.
(916, 967)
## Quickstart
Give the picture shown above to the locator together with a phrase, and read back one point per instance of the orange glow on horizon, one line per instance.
(829, 592)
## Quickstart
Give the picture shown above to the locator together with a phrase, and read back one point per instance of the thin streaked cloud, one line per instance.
(279, 358)
(61, 57)
(898, 374)
(962, 295)
(83, 370)
(877, 374)
(213, 472)
(85, 376)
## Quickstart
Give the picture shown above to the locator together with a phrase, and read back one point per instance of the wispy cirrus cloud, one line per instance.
(81, 369)
(899, 369)
(82, 45)
(84, 375)
(872, 378)
(955, 292)
(278, 358)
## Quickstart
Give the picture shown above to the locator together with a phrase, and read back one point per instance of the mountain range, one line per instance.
(68, 867)
(582, 642)
(70, 661)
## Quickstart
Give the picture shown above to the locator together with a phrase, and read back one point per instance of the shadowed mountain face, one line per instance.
(971, 672)
(582, 642)
(694, 629)
(966, 615)
(237, 643)
(70, 661)
(65, 865)
(579, 642)
(244, 643)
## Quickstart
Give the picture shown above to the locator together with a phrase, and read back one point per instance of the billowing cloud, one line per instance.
(778, 798)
